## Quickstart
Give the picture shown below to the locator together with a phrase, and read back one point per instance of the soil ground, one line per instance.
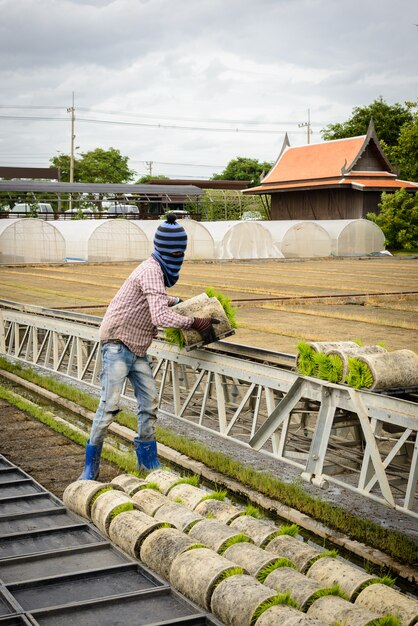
(50, 458)
(315, 299)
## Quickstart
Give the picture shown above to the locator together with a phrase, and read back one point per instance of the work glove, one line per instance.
(178, 300)
(204, 326)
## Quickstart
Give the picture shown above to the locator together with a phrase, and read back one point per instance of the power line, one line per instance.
(162, 117)
(143, 124)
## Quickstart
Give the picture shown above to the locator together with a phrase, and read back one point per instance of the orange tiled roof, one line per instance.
(368, 182)
(313, 161)
(379, 183)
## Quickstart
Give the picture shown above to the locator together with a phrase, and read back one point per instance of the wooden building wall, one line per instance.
(323, 204)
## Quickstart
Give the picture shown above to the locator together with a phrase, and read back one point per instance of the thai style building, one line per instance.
(340, 179)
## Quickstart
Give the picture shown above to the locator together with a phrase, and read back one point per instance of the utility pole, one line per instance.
(149, 166)
(307, 125)
(71, 110)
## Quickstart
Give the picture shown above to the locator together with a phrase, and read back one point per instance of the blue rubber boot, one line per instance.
(146, 452)
(91, 468)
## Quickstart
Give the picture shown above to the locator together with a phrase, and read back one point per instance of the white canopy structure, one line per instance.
(103, 240)
(242, 240)
(297, 239)
(200, 244)
(354, 237)
(30, 240)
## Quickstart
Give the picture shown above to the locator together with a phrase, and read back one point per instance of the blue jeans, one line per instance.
(119, 363)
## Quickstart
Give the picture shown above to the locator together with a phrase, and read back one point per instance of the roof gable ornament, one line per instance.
(285, 144)
(370, 137)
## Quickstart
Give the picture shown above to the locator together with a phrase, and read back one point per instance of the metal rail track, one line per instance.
(363, 441)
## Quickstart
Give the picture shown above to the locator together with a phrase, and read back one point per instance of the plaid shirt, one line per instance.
(139, 307)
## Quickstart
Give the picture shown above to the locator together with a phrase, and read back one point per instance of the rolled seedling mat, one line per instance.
(161, 547)
(196, 573)
(286, 616)
(237, 598)
(305, 360)
(107, 506)
(215, 535)
(129, 529)
(261, 532)
(187, 494)
(180, 516)
(301, 588)
(79, 495)
(332, 609)
(220, 510)
(129, 483)
(343, 356)
(329, 571)
(149, 500)
(298, 552)
(387, 601)
(203, 307)
(388, 370)
(249, 556)
(164, 479)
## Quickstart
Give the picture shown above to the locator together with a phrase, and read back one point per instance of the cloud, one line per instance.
(205, 65)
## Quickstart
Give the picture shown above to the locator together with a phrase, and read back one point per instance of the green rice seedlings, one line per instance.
(386, 620)
(279, 599)
(322, 365)
(215, 495)
(335, 590)
(280, 562)
(306, 359)
(292, 530)
(359, 375)
(152, 485)
(232, 571)
(239, 538)
(226, 305)
(195, 546)
(126, 506)
(175, 336)
(98, 494)
(253, 511)
(189, 480)
(334, 368)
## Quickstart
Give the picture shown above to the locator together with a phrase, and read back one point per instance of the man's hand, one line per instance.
(204, 326)
(178, 300)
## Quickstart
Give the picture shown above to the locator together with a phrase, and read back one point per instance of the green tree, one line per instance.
(388, 121)
(243, 168)
(95, 166)
(219, 205)
(405, 154)
(63, 162)
(398, 219)
(146, 179)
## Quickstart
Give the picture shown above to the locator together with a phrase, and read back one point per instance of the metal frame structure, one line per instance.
(363, 441)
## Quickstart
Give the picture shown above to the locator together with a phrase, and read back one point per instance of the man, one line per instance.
(126, 332)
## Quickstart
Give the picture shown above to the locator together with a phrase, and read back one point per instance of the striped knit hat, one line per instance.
(170, 237)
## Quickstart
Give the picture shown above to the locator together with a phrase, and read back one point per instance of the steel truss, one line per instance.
(363, 441)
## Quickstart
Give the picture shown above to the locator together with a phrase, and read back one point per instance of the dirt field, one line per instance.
(50, 458)
(278, 302)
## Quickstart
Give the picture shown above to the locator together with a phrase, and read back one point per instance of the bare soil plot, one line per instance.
(278, 301)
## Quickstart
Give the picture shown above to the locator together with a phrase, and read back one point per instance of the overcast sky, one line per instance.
(188, 85)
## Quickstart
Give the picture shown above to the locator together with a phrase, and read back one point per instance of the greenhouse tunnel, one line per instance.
(298, 239)
(103, 240)
(30, 240)
(242, 240)
(354, 237)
